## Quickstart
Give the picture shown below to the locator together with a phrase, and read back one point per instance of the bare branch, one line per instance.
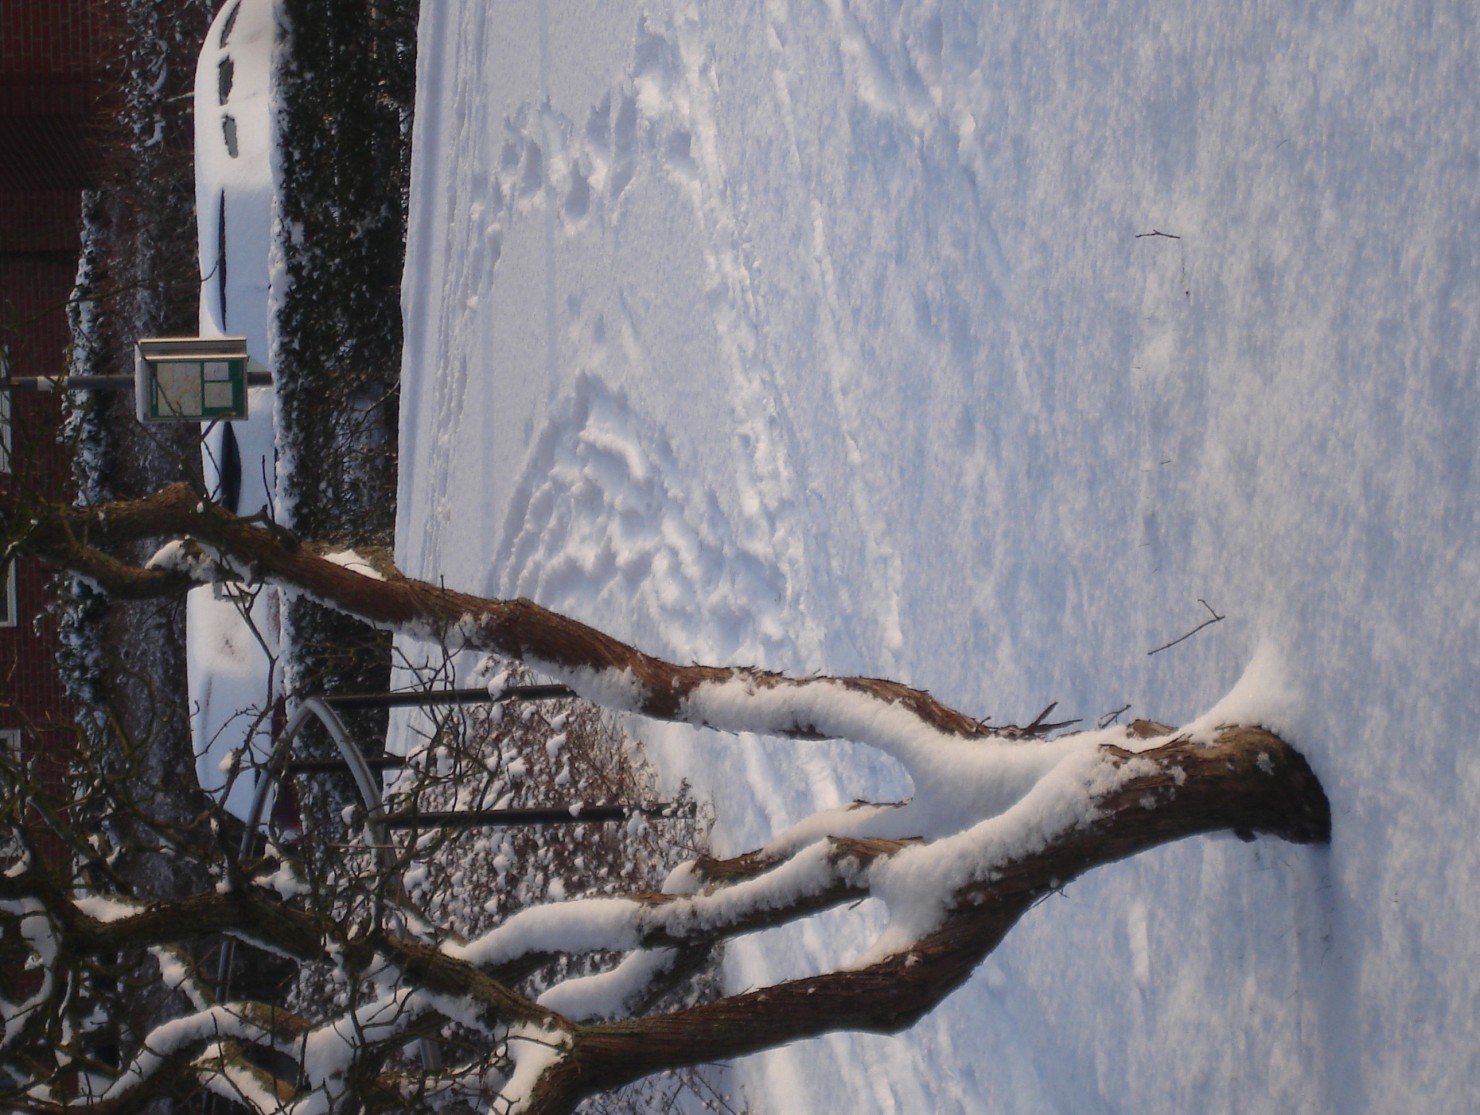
(1025, 815)
(1245, 778)
(593, 663)
(1205, 623)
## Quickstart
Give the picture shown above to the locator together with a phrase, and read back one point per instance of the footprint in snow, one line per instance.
(601, 522)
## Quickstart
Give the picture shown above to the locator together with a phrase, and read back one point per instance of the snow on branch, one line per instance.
(997, 819)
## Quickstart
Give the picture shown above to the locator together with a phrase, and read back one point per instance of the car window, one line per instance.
(221, 256)
(230, 23)
(225, 73)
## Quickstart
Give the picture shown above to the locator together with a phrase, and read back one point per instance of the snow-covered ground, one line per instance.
(976, 346)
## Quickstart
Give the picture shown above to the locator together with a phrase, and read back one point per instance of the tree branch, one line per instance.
(1128, 790)
(596, 665)
(1247, 779)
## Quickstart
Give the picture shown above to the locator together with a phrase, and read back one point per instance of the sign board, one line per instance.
(190, 379)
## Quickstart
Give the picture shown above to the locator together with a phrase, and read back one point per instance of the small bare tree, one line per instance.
(1000, 817)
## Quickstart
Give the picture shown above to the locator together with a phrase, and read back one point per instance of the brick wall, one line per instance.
(34, 287)
(33, 290)
(46, 153)
(38, 700)
(49, 37)
(53, 65)
(36, 221)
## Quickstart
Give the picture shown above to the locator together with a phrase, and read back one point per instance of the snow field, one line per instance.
(836, 336)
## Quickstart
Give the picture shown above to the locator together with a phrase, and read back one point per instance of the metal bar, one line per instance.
(415, 697)
(514, 818)
(61, 383)
(335, 766)
(98, 383)
(354, 761)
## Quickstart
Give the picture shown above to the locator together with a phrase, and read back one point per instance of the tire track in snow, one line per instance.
(842, 355)
(462, 201)
(676, 87)
(899, 138)
(600, 522)
(659, 118)
(497, 174)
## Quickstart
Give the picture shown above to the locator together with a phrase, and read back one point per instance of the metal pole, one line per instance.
(339, 766)
(98, 383)
(515, 818)
(62, 383)
(416, 697)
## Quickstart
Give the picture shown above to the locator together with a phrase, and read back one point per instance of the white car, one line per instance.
(233, 643)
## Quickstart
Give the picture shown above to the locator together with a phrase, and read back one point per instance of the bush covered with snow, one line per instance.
(343, 87)
(136, 277)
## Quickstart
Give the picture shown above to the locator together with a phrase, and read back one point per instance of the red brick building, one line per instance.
(53, 59)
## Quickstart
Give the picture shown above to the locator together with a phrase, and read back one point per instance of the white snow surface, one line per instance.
(351, 559)
(974, 346)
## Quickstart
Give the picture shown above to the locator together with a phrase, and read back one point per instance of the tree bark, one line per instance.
(1247, 780)
(520, 628)
(1244, 779)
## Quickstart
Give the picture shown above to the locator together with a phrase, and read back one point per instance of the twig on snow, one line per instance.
(1195, 630)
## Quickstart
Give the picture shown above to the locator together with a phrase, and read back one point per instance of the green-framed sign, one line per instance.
(191, 379)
